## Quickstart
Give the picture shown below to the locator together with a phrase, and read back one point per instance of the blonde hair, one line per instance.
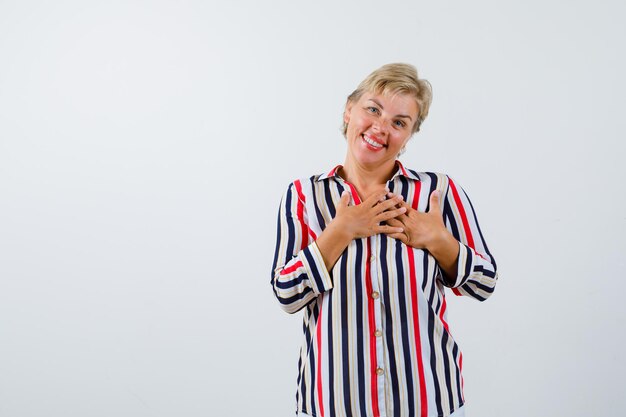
(398, 78)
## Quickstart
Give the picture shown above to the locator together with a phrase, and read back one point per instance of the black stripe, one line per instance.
(482, 239)
(468, 263)
(431, 342)
(404, 188)
(455, 355)
(451, 221)
(482, 287)
(329, 199)
(302, 370)
(413, 172)
(403, 279)
(446, 367)
(299, 380)
(318, 213)
(292, 282)
(434, 182)
(294, 298)
(486, 272)
(313, 318)
(466, 287)
(317, 277)
(291, 232)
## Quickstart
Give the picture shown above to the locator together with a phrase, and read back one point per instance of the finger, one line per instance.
(434, 202)
(389, 230)
(398, 197)
(389, 204)
(391, 214)
(391, 196)
(344, 201)
(394, 222)
(376, 198)
(405, 205)
(400, 236)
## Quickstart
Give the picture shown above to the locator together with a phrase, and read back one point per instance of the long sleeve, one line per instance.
(298, 272)
(477, 272)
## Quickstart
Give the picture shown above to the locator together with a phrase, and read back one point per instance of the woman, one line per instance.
(366, 250)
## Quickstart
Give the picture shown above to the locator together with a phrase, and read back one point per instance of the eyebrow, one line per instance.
(398, 115)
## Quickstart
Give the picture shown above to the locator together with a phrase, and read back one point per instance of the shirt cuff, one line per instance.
(464, 266)
(313, 261)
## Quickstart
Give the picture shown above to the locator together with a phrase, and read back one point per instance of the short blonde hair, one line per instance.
(398, 78)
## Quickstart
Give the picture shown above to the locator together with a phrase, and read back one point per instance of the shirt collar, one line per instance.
(401, 170)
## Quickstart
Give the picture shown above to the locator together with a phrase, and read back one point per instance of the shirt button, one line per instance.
(380, 371)
(372, 258)
(375, 294)
(378, 333)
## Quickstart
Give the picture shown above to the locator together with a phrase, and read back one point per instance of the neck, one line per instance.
(367, 178)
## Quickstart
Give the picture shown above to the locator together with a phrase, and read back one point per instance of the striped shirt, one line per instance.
(376, 336)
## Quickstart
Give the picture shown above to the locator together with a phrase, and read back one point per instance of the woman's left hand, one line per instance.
(427, 231)
(421, 230)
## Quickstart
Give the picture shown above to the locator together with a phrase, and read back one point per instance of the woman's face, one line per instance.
(379, 126)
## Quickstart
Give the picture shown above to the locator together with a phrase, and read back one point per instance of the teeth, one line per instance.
(371, 142)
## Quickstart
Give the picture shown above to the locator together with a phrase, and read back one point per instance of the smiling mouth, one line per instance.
(372, 142)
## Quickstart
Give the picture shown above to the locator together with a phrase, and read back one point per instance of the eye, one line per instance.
(399, 123)
(372, 109)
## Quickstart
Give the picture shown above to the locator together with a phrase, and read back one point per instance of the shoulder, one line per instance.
(436, 180)
(303, 187)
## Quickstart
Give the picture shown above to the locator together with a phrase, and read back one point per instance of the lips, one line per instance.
(372, 142)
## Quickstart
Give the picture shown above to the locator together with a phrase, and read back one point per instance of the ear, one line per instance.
(346, 112)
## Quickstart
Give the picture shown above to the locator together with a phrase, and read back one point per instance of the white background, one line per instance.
(144, 147)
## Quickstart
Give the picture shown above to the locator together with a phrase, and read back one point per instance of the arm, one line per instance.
(301, 264)
(450, 233)
(299, 273)
(476, 271)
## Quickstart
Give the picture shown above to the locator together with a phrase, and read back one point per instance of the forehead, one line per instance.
(391, 101)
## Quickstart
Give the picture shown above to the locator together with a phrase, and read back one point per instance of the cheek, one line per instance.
(400, 138)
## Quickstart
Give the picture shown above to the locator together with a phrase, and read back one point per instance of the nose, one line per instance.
(381, 125)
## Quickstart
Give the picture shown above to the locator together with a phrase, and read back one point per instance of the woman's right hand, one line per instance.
(369, 217)
(357, 221)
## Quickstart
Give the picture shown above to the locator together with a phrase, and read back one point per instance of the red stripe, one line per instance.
(402, 169)
(333, 171)
(416, 331)
(355, 195)
(459, 204)
(456, 291)
(372, 327)
(303, 226)
(291, 268)
(303, 198)
(319, 360)
(416, 195)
